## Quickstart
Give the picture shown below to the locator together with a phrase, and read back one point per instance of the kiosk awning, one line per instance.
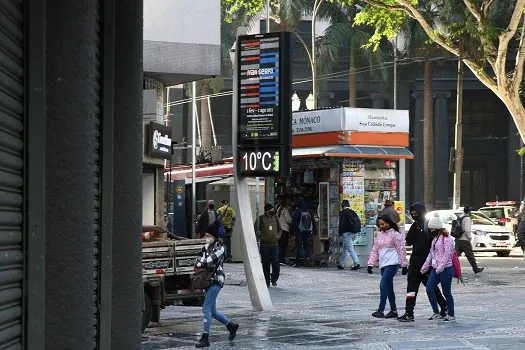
(351, 151)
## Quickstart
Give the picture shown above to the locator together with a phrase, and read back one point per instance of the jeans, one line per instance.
(445, 277)
(209, 309)
(283, 246)
(303, 245)
(348, 247)
(270, 256)
(414, 279)
(386, 287)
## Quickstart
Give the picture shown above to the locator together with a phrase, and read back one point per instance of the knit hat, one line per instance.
(435, 223)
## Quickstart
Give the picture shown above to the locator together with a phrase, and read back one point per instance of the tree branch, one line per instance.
(473, 9)
(380, 4)
(485, 7)
(520, 62)
(504, 40)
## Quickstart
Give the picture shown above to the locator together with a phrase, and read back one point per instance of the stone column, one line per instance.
(416, 187)
(442, 192)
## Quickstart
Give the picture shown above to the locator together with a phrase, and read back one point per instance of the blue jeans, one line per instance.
(348, 247)
(386, 287)
(209, 309)
(445, 278)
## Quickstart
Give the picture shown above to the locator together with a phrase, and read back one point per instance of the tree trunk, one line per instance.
(205, 119)
(428, 137)
(352, 78)
(516, 109)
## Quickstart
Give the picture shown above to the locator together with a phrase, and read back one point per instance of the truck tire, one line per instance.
(193, 302)
(146, 314)
(155, 313)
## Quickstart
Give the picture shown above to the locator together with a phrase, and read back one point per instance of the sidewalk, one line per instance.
(331, 309)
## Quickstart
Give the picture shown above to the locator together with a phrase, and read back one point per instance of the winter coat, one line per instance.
(521, 233)
(212, 258)
(389, 249)
(270, 229)
(440, 255)
(419, 237)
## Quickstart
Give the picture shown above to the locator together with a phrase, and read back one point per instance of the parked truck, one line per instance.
(167, 264)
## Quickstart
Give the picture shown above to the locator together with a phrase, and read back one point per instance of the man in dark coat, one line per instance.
(420, 238)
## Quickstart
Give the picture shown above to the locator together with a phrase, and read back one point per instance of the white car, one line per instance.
(487, 236)
(505, 215)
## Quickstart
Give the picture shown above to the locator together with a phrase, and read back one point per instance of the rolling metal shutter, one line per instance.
(11, 172)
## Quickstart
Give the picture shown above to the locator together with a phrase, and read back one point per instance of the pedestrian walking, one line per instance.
(208, 217)
(304, 228)
(227, 215)
(463, 243)
(389, 249)
(349, 225)
(439, 261)
(420, 238)
(285, 220)
(270, 233)
(212, 257)
(389, 210)
(521, 236)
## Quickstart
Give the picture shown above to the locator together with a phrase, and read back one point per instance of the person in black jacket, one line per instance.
(420, 238)
(348, 222)
(521, 235)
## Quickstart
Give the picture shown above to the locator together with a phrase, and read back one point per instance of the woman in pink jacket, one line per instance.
(440, 260)
(389, 249)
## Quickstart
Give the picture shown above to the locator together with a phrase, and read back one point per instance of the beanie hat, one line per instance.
(213, 229)
(435, 223)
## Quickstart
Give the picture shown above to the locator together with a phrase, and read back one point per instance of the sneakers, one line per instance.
(406, 318)
(434, 316)
(378, 314)
(450, 318)
(443, 313)
(355, 267)
(340, 267)
(392, 314)
(274, 284)
(479, 270)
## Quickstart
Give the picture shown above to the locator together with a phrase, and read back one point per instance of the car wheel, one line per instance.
(146, 314)
(503, 254)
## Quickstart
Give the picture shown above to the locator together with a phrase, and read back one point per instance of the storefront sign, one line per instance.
(350, 119)
(159, 141)
(264, 104)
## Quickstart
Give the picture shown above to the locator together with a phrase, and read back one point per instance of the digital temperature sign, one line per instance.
(264, 102)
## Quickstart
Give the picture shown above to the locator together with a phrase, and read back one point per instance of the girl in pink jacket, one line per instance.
(440, 260)
(389, 249)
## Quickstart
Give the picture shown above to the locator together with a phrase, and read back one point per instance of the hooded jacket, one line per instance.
(419, 236)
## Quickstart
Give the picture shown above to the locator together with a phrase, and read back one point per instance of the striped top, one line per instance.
(212, 259)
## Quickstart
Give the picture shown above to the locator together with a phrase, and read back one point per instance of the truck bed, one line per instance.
(169, 257)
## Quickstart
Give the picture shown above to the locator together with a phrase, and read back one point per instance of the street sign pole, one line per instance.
(259, 295)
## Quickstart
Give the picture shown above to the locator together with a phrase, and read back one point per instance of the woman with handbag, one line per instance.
(211, 278)
(440, 260)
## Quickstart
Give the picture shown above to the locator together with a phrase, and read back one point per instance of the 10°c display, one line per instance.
(259, 162)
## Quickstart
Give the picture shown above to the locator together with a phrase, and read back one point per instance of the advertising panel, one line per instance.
(159, 141)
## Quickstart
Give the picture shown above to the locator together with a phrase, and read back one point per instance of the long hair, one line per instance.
(386, 218)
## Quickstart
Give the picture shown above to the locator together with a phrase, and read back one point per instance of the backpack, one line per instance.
(305, 222)
(456, 265)
(457, 228)
(355, 222)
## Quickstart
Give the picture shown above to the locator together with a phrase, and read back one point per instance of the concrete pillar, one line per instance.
(442, 192)
(417, 148)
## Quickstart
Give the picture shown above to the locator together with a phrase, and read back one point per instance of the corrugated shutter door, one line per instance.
(11, 172)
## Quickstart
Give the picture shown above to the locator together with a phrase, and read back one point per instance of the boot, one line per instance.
(204, 342)
(232, 328)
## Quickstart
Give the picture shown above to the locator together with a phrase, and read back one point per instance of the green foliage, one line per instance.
(521, 151)
(387, 23)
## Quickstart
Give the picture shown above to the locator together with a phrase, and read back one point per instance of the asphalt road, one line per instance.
(318, 308)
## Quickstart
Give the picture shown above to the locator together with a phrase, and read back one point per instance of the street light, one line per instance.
(310, 101)
(296, 102)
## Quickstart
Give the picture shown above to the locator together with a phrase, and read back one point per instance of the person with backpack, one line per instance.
(349, 225)
(227, 216)
(304, 229)
(420, 238)
(285, 220)
(462, 232)
(270, 232)
(389, 249)
(208, 217)
(439, 259)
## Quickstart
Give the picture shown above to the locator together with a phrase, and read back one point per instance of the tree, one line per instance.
(494, 29)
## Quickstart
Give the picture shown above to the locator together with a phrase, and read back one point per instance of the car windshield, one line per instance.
(494, 214)
(478, 218)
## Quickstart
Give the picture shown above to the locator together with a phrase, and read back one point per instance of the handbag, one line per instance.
(202, 278)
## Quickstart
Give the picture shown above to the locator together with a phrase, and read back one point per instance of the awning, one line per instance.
(351, 151)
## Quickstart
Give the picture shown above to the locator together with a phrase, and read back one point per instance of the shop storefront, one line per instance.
(347, 153)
